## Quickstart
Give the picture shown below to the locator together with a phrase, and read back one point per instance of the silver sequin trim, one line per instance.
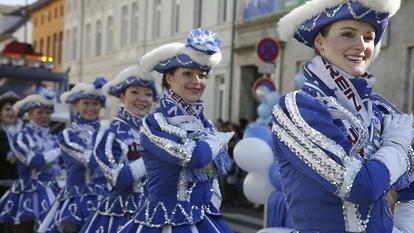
(352, 165)
(182, 152)
(171, 129)
(311, 155)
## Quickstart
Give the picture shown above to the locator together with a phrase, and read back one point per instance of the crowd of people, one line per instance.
(158, 165)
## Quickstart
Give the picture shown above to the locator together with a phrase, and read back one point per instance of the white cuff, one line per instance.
(51, 155)
(403, 217)
(137, 168)
(225, 137)
(214, 143)
(395, 159)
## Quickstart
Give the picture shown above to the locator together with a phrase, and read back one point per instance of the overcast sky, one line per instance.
(16, 2)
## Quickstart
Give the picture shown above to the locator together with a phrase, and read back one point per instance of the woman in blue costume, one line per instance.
(334, 139)
(183, 153)
(80, 195)
(118, 150)
(35, 148)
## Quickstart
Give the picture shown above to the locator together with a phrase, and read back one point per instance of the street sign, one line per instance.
(265, 68)
(267, 49)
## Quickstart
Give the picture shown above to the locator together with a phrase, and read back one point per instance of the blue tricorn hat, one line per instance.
(132, 76)
(304, 22)
(85, 91)
(202, 50)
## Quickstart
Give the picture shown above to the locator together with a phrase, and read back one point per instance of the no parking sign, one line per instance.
(267, 49)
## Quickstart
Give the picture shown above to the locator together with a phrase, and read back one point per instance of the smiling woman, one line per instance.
(183, 154)
(343, 144)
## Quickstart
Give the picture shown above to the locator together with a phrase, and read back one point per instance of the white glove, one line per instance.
(214, 142)
(51, 155)
(216, 195)
(397, 139)
(10, 157)
(224, 137)
(395, 159)
(403, 217)
(137, 168)
(398, 130)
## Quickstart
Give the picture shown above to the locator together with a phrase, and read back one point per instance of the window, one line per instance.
(60, 44)
(55, 45)
(157, 19)
(61, 10)
(88, 37)
(197, 13)
(35, 22)
(223, 11)
(67, 45)
(49, 16)
(56, 12)
(134, 22)
(41, 46)
(109, 34)
(68, 7)
(48, 45)
(98, 38)
(35, 45)
(74, 44)
(220, 88)
(175, 17)
(42, 19)
(411, 75)
(124, 25)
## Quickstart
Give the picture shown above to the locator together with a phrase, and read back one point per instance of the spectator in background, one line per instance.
(10, 124)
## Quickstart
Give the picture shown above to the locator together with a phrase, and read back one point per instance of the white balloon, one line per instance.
(253, 155)
(257, 187)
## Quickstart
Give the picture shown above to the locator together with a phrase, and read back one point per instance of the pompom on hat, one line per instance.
(202, 50)
(32, 101)
(85, 91)
(304, 22)
(132, 76)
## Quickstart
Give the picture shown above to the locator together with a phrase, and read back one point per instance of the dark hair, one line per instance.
(324, 32)
(165, 84)
(7, 100)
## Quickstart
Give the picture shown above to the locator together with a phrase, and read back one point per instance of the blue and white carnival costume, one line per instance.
(183, 153)
(118, 153)
(84, 182)
(35, 148)
(181, 170)
(329, 137)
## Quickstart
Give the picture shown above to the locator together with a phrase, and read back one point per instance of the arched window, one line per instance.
(134, 22)
(98, 38)
(124, 25)
(88, 37)
(109, 34)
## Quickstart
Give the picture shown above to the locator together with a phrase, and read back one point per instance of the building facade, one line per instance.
(47, 17)
(104, 36)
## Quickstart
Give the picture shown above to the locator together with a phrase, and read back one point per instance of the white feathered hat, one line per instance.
(31, 102)
(304, 22)
(85, 91)
(132, 76)
(202, 50)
